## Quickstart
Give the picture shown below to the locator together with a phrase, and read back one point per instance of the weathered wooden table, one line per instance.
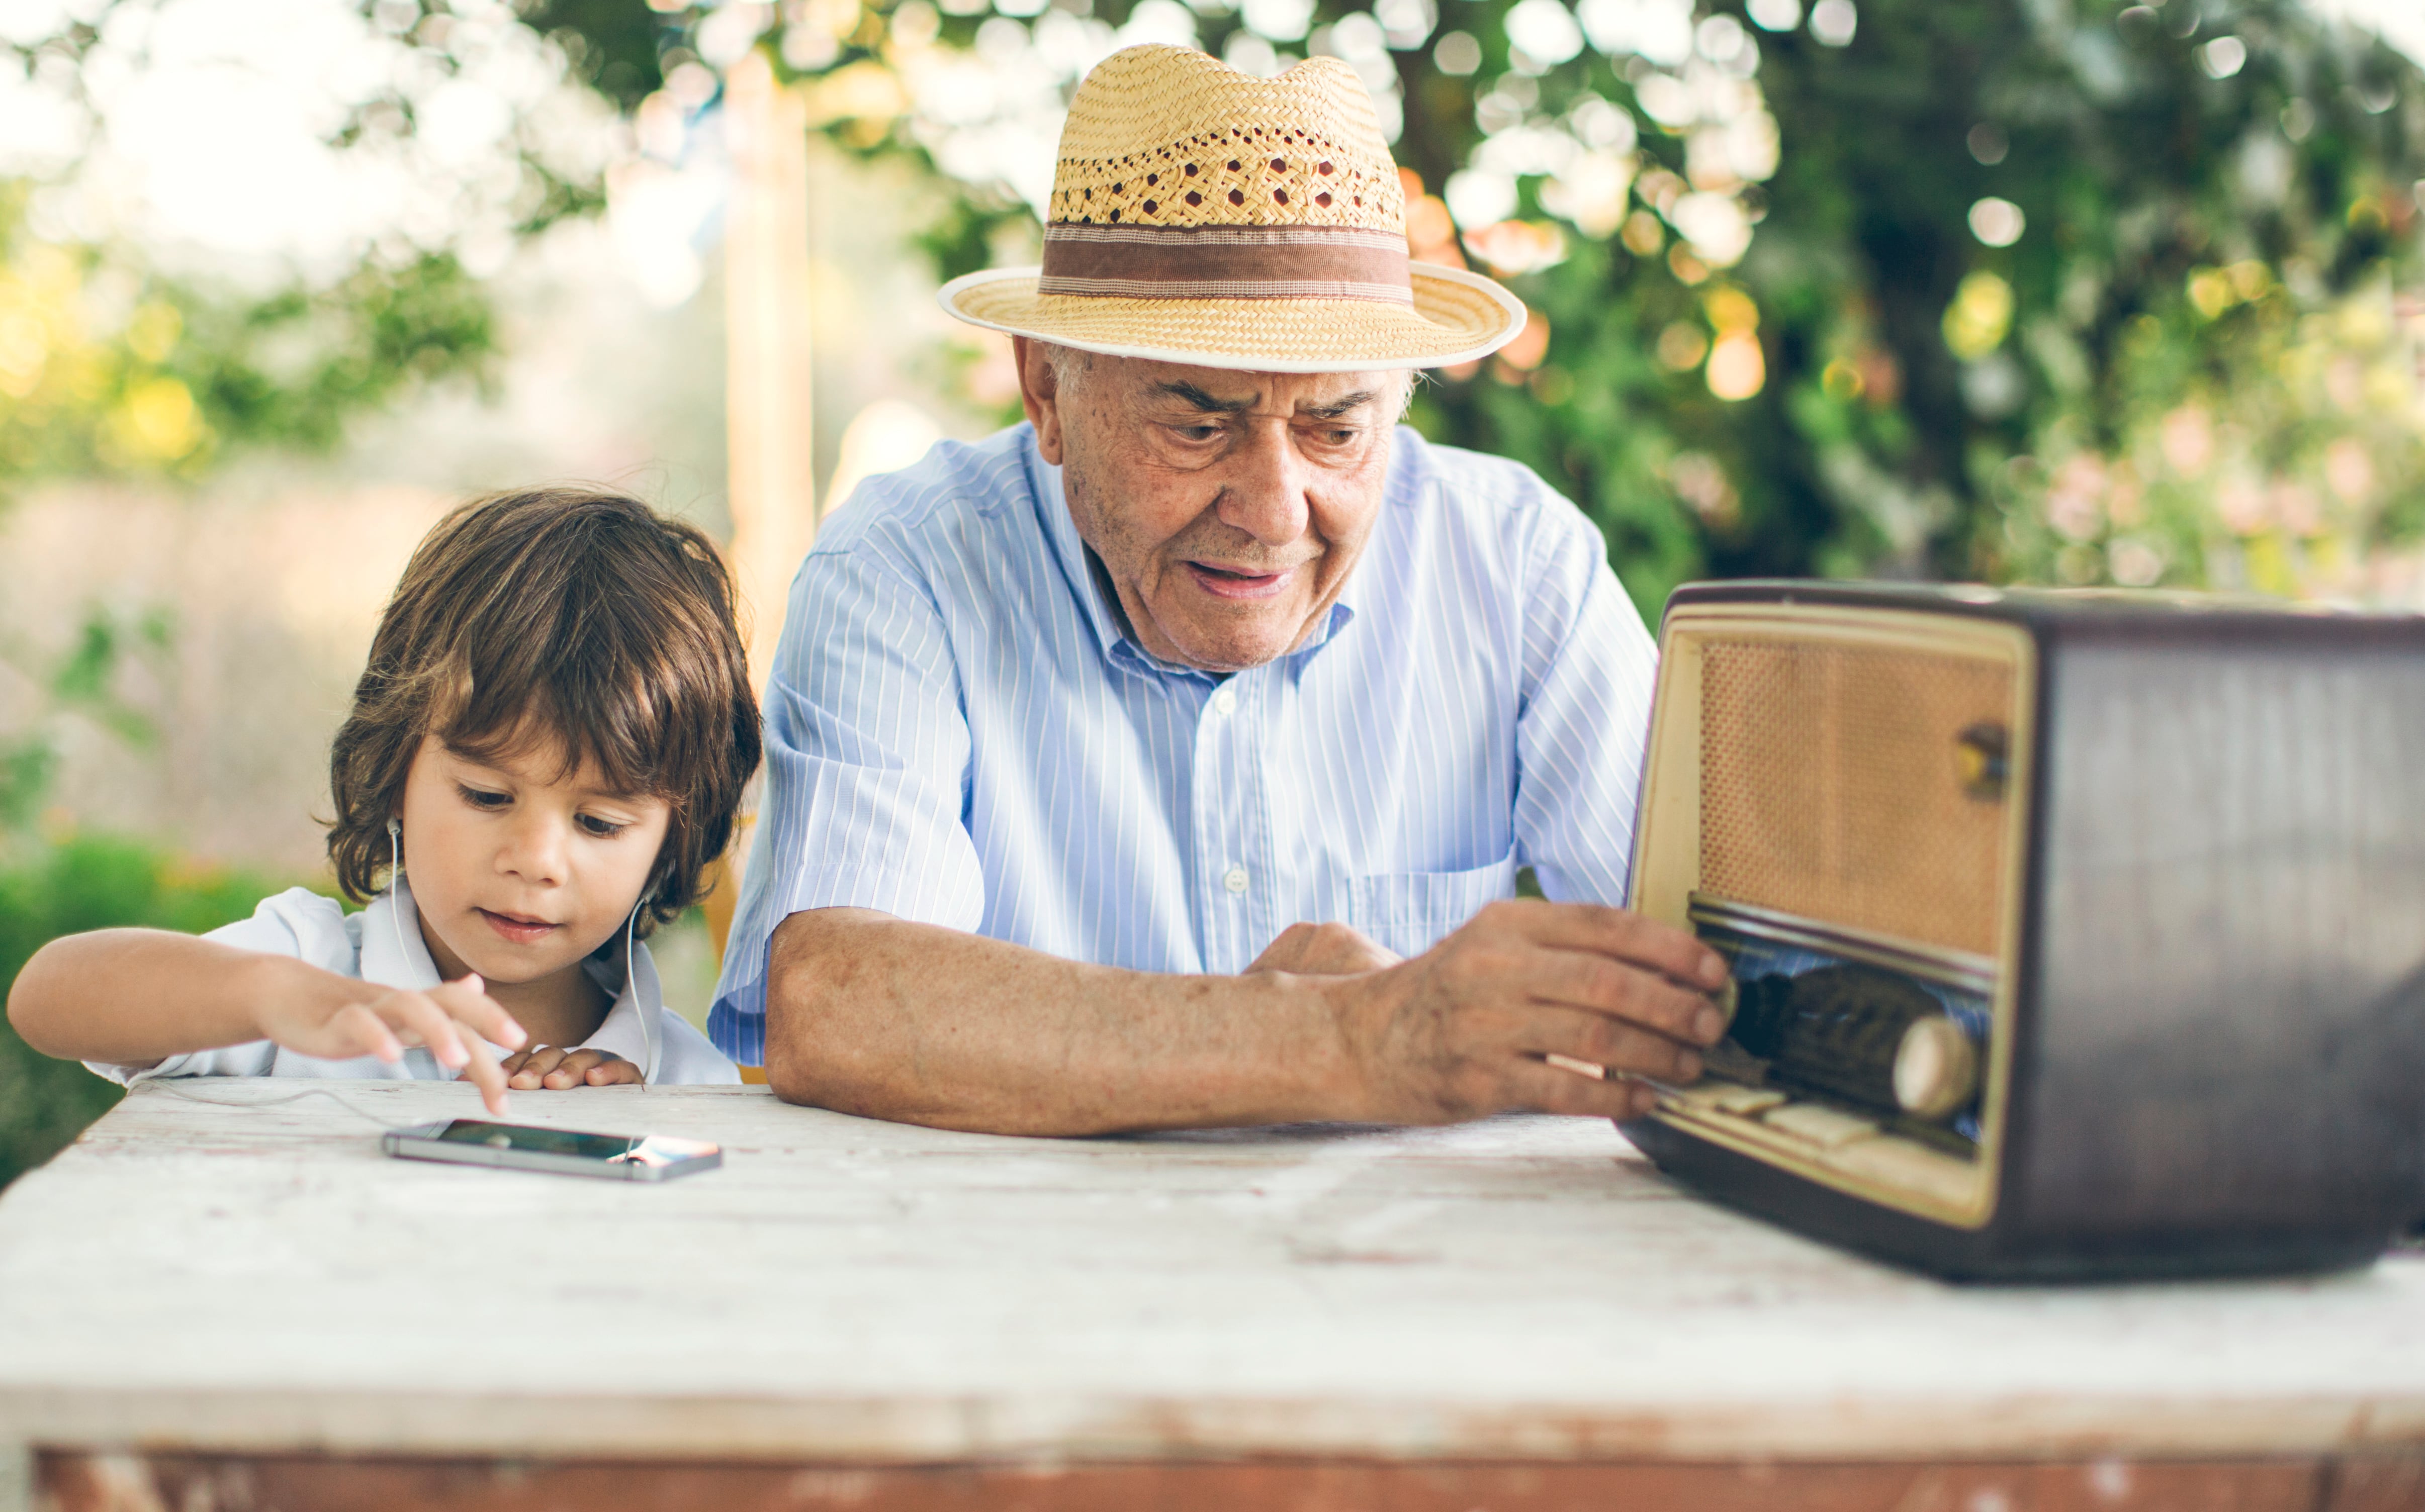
(249, 1307)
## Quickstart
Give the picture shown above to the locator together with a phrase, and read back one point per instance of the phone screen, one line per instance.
(607, 1149)
(538, 1141)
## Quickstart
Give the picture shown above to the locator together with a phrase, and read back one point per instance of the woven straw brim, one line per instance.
(1458, 317)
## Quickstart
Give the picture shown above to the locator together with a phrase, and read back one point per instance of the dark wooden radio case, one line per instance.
(2207, 958)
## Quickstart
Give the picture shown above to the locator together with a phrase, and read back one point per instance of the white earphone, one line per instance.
(394, 870)
(398, 1071)
(650, 1029)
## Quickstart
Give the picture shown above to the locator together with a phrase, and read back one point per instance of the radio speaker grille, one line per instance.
(1833, 787)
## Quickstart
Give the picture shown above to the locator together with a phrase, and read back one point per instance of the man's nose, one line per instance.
(1265, 490)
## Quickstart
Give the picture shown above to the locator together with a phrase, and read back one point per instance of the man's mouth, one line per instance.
(1238, 583)
(521, 928)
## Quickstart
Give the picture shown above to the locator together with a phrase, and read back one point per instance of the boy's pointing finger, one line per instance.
(482, 1071)
(469, 1001)
(362, 1028)
(427, 1023)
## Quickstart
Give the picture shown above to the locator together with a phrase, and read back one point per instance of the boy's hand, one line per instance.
(554, 1068)
(457, 1020)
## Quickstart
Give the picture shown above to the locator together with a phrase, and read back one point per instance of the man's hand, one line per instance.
(554, 1068)
(1323, 950)
(457, 1020)
(1460, 1032)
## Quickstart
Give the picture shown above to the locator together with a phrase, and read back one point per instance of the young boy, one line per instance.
(544, 755)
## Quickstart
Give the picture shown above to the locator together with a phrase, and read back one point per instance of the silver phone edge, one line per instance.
(402, 1145)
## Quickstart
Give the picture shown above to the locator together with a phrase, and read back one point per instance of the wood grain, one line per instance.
(80, 1483)
(260, 1280)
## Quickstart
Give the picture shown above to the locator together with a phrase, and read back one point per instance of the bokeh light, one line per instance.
(1996, 222)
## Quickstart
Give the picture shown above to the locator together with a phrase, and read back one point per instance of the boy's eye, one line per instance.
(599, 828)
(481, 797)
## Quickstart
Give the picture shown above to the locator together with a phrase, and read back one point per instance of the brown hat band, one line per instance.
(1225, 263)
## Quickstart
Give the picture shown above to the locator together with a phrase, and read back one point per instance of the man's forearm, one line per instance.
(871, 1014)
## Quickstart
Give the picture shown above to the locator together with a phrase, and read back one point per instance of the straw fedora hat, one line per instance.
(1206, 216)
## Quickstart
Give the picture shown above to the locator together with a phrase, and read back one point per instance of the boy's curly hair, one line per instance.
(564, 619)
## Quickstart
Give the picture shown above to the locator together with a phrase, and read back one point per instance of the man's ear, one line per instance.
(1039, 394)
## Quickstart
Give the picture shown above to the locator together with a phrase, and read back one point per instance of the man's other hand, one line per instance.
(1323, 950)
(1460, 1030)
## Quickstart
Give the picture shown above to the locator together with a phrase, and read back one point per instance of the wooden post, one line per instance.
(768, 418)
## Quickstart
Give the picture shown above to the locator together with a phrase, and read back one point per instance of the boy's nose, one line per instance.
(535, 853)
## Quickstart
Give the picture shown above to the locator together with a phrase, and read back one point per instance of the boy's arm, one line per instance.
(132, 996)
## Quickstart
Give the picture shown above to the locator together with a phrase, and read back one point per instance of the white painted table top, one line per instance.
(262, 1278)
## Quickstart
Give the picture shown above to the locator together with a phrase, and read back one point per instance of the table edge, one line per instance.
(941, 1429)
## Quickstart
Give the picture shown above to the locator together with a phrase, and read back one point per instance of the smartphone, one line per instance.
(567, 1152)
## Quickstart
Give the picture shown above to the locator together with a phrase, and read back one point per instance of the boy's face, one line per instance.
(519, 874)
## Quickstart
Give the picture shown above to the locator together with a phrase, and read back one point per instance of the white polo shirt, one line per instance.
(382, 943)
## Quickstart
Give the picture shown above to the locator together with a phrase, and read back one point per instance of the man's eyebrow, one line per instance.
(1196, 398)
(1188, 394)
(1332, 411)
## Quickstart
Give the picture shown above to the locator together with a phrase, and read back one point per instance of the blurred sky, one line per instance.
(2400, 22)
(207, 137)
(212, 115)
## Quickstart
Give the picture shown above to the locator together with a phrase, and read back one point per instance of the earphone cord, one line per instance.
(632, 984)
(395, 869)
(396, 1072)
(164, 1084)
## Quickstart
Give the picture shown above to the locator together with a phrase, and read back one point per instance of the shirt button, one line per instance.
(1225, 702)
(1234, 879)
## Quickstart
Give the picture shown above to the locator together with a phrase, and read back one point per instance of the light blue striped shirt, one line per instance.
(959, 732)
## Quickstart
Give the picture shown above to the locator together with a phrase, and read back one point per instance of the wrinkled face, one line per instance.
(519, 873)
(1228, 508)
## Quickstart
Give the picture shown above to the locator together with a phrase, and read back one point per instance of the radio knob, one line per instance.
(1936, 1069)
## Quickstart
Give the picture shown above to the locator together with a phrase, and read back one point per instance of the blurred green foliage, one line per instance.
(108, 367)
(64, 888)
(2073, 291)
(54, 885)
(2034, 290)
(617, 47)
(79, 685)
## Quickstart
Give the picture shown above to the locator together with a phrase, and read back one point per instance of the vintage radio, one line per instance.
(2074, 934)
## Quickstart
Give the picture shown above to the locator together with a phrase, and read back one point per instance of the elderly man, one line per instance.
(1167, 760)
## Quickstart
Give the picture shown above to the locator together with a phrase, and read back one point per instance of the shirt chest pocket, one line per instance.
(1409, 911)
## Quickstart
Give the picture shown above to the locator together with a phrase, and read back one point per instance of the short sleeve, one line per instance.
(867, 761)
(688, 1060)
(1583, 715)
(298, 922)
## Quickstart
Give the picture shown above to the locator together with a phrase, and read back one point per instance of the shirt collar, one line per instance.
(1101, 609)
(395, 955)
(1068, 547)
